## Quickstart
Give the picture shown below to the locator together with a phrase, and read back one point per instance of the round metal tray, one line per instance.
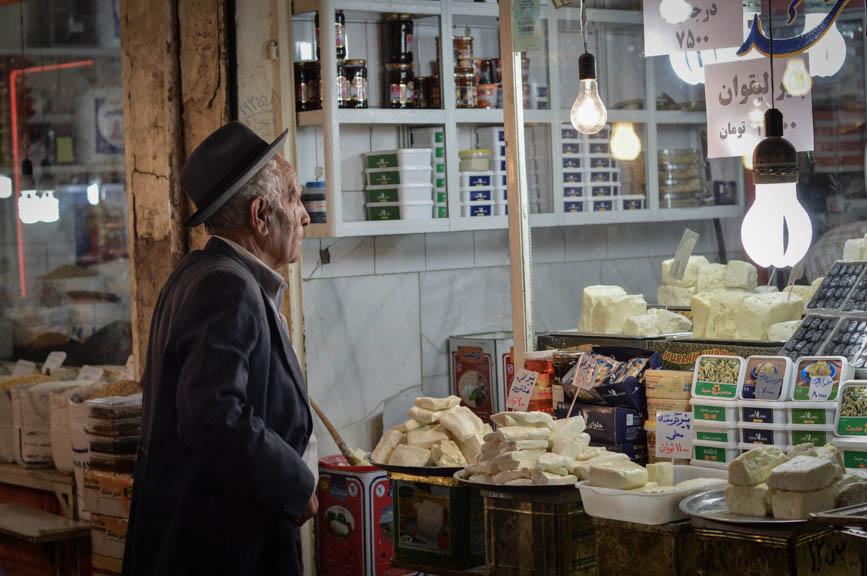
(711, 505)
(513, 489)
(419, 470)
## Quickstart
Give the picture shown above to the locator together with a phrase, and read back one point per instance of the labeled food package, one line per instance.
(31, 409)
(115, 407)
(608, 425)
(108, 493)
(818, 378)
(718, 377)
(767, 378)
(672, 384)
(852, 417)
(655, 405)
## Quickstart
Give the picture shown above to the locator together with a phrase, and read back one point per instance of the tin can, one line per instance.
(308, 86)
(463, 46)
(398, 38)
(465, 88)
(356, 76)
(400, 88)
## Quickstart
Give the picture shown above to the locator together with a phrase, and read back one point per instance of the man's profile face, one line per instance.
(289, 221)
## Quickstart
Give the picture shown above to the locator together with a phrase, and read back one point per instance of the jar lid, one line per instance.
(463, 38)
(398, 16)
(397, 66)
(356, 62)
(476, 151)
(316, 184)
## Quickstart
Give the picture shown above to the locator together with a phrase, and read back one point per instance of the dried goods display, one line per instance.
(854, 401)
(837, 286)
(718, 376)
(858, 298)
(848, 340)
(810, 337)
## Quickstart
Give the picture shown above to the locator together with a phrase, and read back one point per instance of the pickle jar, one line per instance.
(463, 46)
(308, 86)
(465, 88)
(399, 88)
(356, 76)
(398, 38)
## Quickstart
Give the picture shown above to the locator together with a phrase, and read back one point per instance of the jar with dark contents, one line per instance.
(399, 88)
(436, 100)
(308, 86)
(342, 85)
(356, 76)
(422, 91)
(398, 38)
(339, 34)
(465, 88)
(463, 46)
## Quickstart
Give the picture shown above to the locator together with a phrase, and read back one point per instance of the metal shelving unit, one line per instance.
(331, 118)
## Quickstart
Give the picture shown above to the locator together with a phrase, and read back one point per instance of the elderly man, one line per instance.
(220, 484)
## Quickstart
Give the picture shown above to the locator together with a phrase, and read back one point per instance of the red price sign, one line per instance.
(521, 390)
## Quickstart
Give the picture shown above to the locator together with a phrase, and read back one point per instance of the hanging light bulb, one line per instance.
(776, 209)
(588, 114)
(49, 207)
(5, 186)
(625, 144)
(675, 11)
(796, 79)
(93, 193)
(828, 54)
(28, 207)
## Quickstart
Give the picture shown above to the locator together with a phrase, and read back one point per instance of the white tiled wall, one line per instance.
(379, 313)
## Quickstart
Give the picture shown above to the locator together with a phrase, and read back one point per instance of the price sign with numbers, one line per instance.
(821, 387)
(23, 368)
(90, 374)
(674, 435)
(672, 26)
(53, 362)
(521, 390)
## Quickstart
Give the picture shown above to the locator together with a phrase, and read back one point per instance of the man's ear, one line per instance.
(259, 211)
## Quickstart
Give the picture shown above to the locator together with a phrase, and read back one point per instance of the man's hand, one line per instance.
(310, 511)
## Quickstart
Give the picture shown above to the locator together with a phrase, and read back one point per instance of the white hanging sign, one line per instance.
(674, 435)
(672, 26)
(738, 94)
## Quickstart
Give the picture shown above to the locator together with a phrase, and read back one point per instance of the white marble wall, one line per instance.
(378, 315)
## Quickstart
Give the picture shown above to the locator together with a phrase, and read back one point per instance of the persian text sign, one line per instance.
(674, 435)
(521, 390)
(738, 94)
(677, 26)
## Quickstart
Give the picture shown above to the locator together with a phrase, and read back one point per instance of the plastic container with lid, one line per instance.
(834, 370)
(574, 191)
(718, 377)
(473, 209)
(767, 378)
(573, 175)
(313, 199)
(710, 410)
(571, 206)
(400, 210)
(604, 190)
(477, 194)
(391, 176)
(713, 454)
(812, 413)
(709, 431)
(854, 451)
(852, 417)
(572, 148)
(441, 210)
(481, 179)
(501, 194)
(816, 435)
(633, 202)
(758, 412)
(569, 134)
(603, 205)
(402, 158)
(572, 160)
(604, 174)
(764, 434)
(597, 162)
(501, 208)
(478, 160)
(399, 193)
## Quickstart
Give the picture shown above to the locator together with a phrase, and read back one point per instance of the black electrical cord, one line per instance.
(771, 24)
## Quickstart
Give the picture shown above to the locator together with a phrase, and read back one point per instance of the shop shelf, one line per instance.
(382, 6)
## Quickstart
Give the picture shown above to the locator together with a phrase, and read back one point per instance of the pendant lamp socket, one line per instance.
(587, 67)
(775, 160)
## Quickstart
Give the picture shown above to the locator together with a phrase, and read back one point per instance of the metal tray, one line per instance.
(853, 516)
(711, 505)
(420, 470)
(459, 476)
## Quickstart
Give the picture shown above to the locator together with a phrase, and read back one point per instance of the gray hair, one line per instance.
(271, 182)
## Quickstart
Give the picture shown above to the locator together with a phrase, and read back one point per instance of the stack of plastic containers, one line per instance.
(716, 386)
(850, 424)
(762, 405)
(398, 184)
(812, 420)
(434, 138)
(477, 186)
(493, 138)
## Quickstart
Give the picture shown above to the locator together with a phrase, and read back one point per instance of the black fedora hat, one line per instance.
(223, 163)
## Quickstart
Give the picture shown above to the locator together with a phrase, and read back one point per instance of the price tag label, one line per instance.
(795, 275)
(821, 388)
(129, 367)
(90, 374)
(521, 390)
(526, 20)
(53, 362)
(23, 368)
(585, 372)
(684, 251)
(672, 26)
(674, 435)
(768, 386)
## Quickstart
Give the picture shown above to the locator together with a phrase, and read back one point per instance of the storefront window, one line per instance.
(63, 204)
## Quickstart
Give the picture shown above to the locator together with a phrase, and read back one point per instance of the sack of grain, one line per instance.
(32, 424)
(61, 443)
(8, 436)
(77, 413)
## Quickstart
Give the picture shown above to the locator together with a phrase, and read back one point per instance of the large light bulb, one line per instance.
(5, 186)
(49, 207)
(28, 207)
(828, 54)
(796, 79)
(588, 114)
(675, 11)
(625, 144)
(93, 193)
(776, 209)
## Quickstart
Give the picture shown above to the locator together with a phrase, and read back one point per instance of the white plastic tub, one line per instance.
(393, 176)
(714, 454)
(572, 147)
(575, 190)
(574, 205)
(650, 509)
(758, 412)
(764, 434)
(758, 369)
(851, 419)
(500, 194)
(604, 190)
(811, 413)
(816, 435)
(573, 175)
(478, 194)
(603, 204)
(854, 451)
(428, 137)
(572, 161)
(710, 410)
(477, 179)
(604, 174)
(488, 135)
(501, 208)
(724, 432)
(500, 179)
(633, 202)
(474, 209)
(399, 193)
(403, 158)
(400, 210)
(718, 377)
(808, 366)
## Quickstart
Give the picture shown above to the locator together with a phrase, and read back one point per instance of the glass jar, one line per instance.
(342, 85)
(339, 34)
(475, 160)
(463, 46)
(356, 76)
(422, 92)
(436, 100)
(487, 96)
(542, 399)
(399, 88)
(465, 88)
(308, 86)
(398, 38)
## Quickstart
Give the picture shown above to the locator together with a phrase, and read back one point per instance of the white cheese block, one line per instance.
(740, 275)
(461, 423)
(700, 305)
(852, 494)
(759, 311)
(661, 472)
(543, 478)
(509, 475)
(749, 500)
(617, 474)
(847, 479)
(426, 438)
(425, 415)
(674, 295)
(722, 322)
(803, 474)
(569, 428)
(525, 445)
(515, 433)
(477, 468)
(447, 454)
(410, 425)
(551, 462)
(521, 482)
(609, 319)
(782, 331)
(711, 277)
(471, 447)
(507, 461)
(690, 275)
(482, 479)
(531, 419)
(592, 452)
(805, 449)
(790, 505)
(805, 292)
(429, 403)
(697, 483)
(429, 519)
(830, 452)
(645, 325)
(591, 299)
(670, 322)
(852, 249)
(754, 466)
(404, 455)
(568, 447)
(386, 445)
(582, 468)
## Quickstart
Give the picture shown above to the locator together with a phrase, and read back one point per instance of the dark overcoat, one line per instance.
(219, 477)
